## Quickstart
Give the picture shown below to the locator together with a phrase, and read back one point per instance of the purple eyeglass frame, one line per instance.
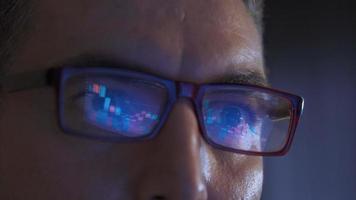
(175, 89)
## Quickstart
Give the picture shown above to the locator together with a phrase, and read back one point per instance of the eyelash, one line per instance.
(243, 108)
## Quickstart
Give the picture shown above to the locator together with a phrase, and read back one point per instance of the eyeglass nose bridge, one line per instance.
(186, 90)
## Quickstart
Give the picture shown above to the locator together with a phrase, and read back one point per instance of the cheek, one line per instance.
(44, 163)
(231, 176)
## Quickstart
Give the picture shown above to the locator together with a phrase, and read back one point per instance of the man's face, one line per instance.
(195, 41)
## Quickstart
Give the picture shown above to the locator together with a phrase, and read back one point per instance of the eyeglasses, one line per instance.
(120, 105)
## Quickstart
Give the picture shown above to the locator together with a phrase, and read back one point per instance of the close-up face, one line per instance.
(199, 42)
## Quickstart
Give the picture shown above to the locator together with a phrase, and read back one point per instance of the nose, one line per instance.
(174, 169)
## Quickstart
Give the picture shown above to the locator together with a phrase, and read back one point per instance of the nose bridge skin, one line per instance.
(187, 90)
(173, 170)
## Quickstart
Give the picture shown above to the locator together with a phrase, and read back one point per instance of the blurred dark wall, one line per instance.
(310, 49)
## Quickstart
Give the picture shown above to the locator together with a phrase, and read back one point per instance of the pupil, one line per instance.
(231, 116)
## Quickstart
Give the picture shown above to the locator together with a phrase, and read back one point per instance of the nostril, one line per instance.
(158, 197)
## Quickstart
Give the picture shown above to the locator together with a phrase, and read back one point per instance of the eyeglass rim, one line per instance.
(173, 87)
(296, 103)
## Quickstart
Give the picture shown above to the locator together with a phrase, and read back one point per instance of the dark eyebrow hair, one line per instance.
(250, 78)
(232, 76)
(15, 22)
(43, 77)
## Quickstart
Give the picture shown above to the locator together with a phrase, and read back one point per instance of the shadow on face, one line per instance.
(195, 41)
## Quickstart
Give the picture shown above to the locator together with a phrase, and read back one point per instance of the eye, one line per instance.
(232, 124)
(126, 109)
(230, 117)
(120, 110)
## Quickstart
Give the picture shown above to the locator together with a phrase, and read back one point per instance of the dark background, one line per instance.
(310, 49)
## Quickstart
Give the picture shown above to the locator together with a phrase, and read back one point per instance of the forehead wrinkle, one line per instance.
(218, 41)
(188, 71)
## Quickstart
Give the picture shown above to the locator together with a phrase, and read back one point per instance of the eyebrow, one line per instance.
(252, 77)
(42, 77)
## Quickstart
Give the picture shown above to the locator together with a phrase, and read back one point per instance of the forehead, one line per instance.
(179, 39)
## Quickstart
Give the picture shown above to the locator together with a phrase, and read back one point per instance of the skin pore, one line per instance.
(196, 41)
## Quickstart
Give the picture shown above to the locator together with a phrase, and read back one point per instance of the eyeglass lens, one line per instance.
(239, 118)
(246, 119)
(116, 106)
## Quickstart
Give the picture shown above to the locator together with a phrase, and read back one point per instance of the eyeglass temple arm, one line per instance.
(27, 80)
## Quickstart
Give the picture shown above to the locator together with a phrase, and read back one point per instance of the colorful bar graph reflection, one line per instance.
(119, 111)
